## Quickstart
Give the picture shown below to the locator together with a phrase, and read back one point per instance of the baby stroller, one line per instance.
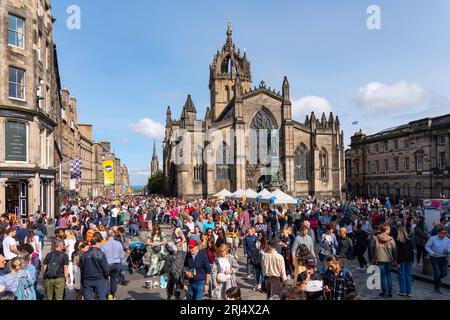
(135, 259)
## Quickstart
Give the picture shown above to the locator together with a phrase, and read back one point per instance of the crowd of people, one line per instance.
(300, 252)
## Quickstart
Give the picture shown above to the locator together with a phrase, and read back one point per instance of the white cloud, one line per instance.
(124, 140)
(148, 128)
(378, 97)
(139, 171)
(304, 106)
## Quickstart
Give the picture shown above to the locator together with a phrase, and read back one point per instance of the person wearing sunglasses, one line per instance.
(438, 247)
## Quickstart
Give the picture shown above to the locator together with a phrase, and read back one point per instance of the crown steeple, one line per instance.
(227, 65)
(229, 35)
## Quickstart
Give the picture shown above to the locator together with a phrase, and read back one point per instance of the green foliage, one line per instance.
(156, 184)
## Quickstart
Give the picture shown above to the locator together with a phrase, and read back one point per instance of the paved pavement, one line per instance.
(136, 289)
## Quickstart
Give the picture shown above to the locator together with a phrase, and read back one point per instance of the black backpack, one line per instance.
(53, 267)
(256, 258)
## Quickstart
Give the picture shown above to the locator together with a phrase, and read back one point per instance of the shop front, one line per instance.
(15, 192)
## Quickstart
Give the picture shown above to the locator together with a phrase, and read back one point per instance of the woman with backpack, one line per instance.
(19, 281)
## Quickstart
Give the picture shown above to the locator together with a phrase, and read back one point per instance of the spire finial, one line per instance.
(154, 150)
(229, 34)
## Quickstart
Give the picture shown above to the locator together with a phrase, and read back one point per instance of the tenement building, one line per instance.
(29, 107)
(78, 143)
(248, 139)
(410, 161)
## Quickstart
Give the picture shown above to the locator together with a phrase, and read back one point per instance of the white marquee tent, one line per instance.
(222, 194)
(258, 196)
(278, 197)
(236, 195)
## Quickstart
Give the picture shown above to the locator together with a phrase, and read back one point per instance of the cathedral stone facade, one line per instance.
(248, 139)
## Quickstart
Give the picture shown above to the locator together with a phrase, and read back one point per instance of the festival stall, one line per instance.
(278, 197)
(258, 196)
(222, 194)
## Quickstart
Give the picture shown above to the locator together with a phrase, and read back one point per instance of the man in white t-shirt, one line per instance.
(9, 245)
(114, 215)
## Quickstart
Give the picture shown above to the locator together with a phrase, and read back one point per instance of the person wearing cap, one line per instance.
(198, 271)
(310, 281)
(438, 247)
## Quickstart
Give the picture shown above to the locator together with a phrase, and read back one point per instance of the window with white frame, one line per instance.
(419, 161)
(396, 164)
(42, 145)
(16, 31)
(418, 142)
(406, 164)
(16, 89)
(40, 94)
(47, 100)
(49, 147)
(39, 45)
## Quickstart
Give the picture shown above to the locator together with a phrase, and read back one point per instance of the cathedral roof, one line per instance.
(264, 89)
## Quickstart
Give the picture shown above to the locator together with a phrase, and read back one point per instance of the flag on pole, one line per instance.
(76, 168)
(355, 123)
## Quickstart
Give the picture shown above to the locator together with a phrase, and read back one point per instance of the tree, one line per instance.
(155, 184)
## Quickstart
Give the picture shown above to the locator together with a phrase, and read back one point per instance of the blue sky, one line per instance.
(127, 63)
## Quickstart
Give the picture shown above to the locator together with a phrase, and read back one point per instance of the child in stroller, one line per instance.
(134, 227)
(135, 259)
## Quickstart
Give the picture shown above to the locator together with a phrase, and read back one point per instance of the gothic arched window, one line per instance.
(262, 136)
(198, 163)
(302, 163)
(323, 160)
(223, 162)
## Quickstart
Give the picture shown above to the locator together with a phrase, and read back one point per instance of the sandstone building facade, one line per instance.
(39, 131)
(248, 139)
(29, 108)
(410, 161)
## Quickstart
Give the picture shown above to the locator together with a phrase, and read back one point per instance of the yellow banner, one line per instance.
(108, 172)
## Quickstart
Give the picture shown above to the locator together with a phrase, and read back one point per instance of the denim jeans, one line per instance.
(113, 221)
(386, 279)
(114, 271)
(259, 275)
(440, 268)
(405, 277)
(99, 287)
(196, 290)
